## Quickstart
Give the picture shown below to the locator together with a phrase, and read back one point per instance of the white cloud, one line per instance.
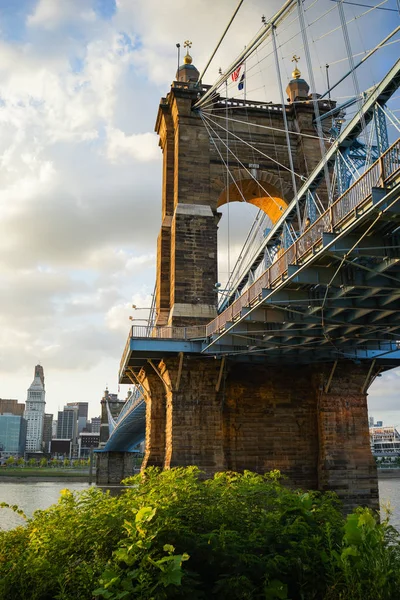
(49, 14)
(121, 147)
(117, 317)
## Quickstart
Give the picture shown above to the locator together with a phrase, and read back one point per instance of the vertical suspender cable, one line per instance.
(351, 64)
(278, 73)
(300, 9)
(227, 177)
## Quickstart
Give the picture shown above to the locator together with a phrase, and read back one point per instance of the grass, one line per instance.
(43, 472)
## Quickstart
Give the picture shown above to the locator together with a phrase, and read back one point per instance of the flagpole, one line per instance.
(245, 79)
(245, 82)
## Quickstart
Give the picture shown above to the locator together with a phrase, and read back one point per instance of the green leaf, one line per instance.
(145, 514)
(276, 590)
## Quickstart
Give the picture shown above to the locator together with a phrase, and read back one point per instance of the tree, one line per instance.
(10, 461)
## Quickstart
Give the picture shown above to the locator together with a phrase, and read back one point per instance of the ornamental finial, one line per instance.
(296, 73)
(187, 58)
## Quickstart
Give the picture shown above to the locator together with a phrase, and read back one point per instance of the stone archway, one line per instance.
(261, 192)
(273, 205)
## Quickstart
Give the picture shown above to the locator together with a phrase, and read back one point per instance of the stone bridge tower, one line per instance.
(195, 182)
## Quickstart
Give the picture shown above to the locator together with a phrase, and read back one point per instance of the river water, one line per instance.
(31, 496)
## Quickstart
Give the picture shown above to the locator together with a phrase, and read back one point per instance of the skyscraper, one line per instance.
(47, 431)
(12, 435)
(34, 411)
(82, 413)
(67, 423)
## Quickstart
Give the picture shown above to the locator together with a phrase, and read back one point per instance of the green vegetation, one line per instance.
(174, 535)
(59, 468)
(45, 472)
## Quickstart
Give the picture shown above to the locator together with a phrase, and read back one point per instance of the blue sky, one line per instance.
(80, 176)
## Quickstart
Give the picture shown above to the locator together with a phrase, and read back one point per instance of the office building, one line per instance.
(86, 441)
(60, 448)
(95, 424)
(83, 408)
(34, 411)
(11, 407)
(12, 435)
(47, 431)
(67, 423)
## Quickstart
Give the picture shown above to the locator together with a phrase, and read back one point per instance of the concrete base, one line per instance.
(113, 467)
(310, 422)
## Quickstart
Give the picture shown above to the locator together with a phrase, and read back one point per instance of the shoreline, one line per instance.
(388, 473)
(35, 476)
(84, 477)
(35, 479)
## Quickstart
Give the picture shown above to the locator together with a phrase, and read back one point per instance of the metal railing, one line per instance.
(380, 173)
(169, 333)
(191, 332)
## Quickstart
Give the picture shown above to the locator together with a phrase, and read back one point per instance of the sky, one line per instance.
(80, 169)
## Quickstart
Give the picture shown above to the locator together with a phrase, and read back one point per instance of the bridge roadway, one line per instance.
(333, 294)
(128, 430)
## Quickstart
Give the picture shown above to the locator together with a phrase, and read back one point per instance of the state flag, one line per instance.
(241, 82)
(236, 73)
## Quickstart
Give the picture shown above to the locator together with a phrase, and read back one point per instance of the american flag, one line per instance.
(236, 73)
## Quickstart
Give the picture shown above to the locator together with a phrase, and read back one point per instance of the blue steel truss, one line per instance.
(351, 160)
(128, 431)
(382, 138)
(346, 141)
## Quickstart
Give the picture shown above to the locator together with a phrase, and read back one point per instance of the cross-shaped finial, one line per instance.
(295, 59)
(187, 44)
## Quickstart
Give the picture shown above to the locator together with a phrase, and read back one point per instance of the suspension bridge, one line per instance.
(275, 373)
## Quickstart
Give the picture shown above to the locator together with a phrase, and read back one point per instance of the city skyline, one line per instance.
(80, 83)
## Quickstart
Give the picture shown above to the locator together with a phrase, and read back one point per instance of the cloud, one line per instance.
(384, 393)
(49, 14)
(121, 147)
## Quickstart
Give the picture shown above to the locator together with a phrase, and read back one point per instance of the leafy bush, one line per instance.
(174, 535)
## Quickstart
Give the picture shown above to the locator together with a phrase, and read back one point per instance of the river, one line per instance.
(31, 496)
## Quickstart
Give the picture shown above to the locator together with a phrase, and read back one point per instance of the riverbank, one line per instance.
(389, 473)
(43, 474)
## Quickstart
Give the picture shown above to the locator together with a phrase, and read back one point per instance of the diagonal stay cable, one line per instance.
(240, 192)
(234, 278)
(255, 148)
(307, 135)
(242, 165)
